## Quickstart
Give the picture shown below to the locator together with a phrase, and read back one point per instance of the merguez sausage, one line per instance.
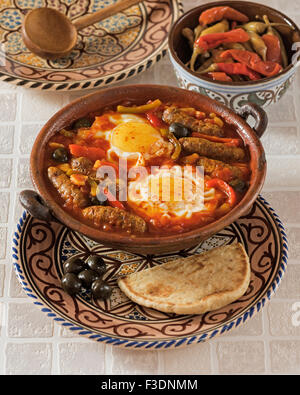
(207, 148)
(212, 165)
(173, 114)
(106, 215)
(69, 192)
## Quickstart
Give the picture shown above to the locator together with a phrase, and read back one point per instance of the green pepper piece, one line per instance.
(258, 45)
(220, 27)
(189, 35)
(255, 27)
(198, 30)
(239, 46)
(67, 133)
(139, 109)
(170, 136)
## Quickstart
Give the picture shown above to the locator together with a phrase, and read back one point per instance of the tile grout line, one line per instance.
(11, 224)
(214, 363)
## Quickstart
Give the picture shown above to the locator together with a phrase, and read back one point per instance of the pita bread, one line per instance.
(192, 285)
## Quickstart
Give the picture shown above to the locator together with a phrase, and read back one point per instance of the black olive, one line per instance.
(82, 123)
(60, 155)
(101, 290)
(96, 202)
(87, 277)
(71, 283)
(179, 130)
(73, 265)
(238, 185)
(97, 264)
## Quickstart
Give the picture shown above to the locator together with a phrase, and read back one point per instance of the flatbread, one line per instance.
(192, 285)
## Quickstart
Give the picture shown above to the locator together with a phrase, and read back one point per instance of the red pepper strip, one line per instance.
(154, 120)
(113, 165)
(213, 40)
(238, 68)
(92, 153)
(253, 61)
(112, 200)
(224, 187)
(235, 142)
(219, 76)
(216, 14)
(273, 48)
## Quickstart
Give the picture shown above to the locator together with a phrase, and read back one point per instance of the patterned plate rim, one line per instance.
(122, 75)
(164, 344)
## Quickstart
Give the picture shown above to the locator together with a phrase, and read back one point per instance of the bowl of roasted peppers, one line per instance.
(235, 52)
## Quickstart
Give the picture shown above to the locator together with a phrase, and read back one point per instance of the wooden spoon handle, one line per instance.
(106, 12)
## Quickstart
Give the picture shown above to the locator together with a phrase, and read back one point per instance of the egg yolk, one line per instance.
(134, 137)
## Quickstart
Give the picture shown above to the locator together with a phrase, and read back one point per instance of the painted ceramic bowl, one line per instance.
(45, 206)
(234, 94)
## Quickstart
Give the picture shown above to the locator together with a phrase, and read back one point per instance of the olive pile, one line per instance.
(87, 274)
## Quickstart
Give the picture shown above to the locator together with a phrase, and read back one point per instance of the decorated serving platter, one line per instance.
(40, 249)
(110, 51)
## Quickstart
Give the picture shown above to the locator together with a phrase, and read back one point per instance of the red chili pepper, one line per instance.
(216, 14)
(238, 68)
(253, 61)
(224, 187)
(209, 41)
(92, 153)
(273, 48)
(235, 142)
(112, 200)
(219, 76)
(154, 120)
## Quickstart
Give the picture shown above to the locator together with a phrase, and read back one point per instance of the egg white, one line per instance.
(152, 194)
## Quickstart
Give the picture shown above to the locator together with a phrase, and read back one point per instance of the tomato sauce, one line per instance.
(228, 180)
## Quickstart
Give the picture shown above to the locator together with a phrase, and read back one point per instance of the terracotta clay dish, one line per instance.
(41, 248)
(113, 50)
(139, 94)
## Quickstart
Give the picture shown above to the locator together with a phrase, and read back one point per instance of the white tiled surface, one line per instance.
(31, 343)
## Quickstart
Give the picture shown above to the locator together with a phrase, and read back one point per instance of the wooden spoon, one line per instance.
(51, 35)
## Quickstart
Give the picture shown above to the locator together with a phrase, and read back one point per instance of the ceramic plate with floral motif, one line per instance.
(40, 250)
(110, 51)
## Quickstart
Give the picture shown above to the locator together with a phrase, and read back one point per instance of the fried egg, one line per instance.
(130, 137)
(169, 194)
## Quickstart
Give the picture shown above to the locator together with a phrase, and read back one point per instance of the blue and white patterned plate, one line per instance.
(40, 249)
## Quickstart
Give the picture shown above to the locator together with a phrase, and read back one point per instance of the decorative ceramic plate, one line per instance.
(40, 250)
(109, 51)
